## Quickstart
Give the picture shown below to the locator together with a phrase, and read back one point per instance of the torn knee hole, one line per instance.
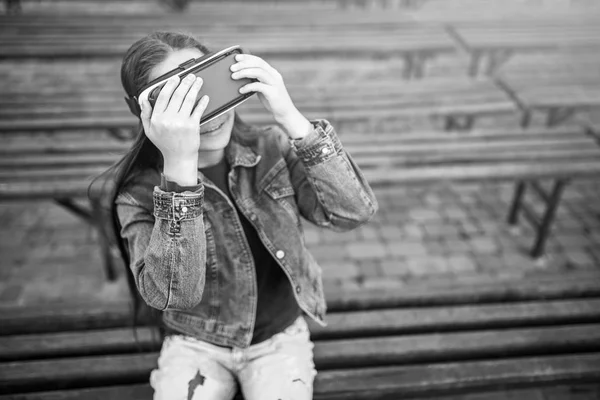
(196, 381)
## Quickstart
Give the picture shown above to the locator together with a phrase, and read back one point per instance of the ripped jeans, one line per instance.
(279, 368)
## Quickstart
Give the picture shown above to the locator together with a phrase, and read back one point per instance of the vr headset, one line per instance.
(214, 70)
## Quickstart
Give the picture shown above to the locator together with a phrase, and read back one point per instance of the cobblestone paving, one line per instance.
(446, 232)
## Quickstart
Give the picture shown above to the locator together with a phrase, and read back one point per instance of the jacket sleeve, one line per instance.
(167, 246)
(331, 191)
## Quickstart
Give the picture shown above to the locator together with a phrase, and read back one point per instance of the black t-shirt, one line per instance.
(276, 306)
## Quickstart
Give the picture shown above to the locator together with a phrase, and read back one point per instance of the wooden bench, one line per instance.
(194, 7)
(14, 6)
(62, 170)
(415, 341)
(459, 102)
(492, 43)
(558, 85)
(70, 37)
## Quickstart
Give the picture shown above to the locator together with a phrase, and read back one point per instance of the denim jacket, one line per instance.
(188, 252)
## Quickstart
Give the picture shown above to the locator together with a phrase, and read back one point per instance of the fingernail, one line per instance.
(239, 57)
(190, 77)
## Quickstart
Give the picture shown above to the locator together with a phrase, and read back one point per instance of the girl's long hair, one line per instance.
(143, 155)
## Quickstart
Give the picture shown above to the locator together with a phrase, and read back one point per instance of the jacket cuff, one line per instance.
(319, 145)
(178, 206)
(170, 186)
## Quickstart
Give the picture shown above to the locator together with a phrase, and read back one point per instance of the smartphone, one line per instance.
(213, 68)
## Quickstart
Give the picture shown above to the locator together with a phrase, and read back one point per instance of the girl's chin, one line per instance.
(214, 133)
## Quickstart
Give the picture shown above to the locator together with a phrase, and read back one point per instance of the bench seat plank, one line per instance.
(338, 44)
(483, 290)
(448, 150)
(381, 100)
(355, 324)
(439, 347)
(86, 143)
(546, 92)
(331, 354)
(494, 172)
(398, 381)
(266, 18)
(529, 35)
(440, 379)
(74, 182)
(124, 392)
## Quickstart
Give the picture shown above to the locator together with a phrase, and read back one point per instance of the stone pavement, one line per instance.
(428, 234)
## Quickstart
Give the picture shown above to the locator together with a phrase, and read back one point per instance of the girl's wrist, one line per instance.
(296, 125)
(184, 172)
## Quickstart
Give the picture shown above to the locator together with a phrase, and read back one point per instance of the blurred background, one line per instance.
(447, 105)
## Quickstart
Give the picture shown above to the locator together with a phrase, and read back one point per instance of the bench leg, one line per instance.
(409, 62)
(543, 225)
(449, 122)
(420, 62)
(13, 7)
(476, 61)
(87, 216)
(414, 65)
(551, 206)
(496, 59)
(593, 134)
(525, 119)
(459, 122)
(81, 212)
(558, 115)
(411, 3)
(513, 215)
(109, 266)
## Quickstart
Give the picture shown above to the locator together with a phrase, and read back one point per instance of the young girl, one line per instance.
(210, 225)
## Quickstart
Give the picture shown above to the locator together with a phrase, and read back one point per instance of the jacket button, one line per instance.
(280, 254)
(298, 289)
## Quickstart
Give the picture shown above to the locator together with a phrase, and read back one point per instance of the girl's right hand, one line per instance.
(174, 124)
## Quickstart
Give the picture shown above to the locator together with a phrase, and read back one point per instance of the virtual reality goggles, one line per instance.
(213, 68)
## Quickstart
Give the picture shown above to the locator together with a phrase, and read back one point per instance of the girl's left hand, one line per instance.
(272, 93)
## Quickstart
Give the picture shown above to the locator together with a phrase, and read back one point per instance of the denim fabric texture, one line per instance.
(189, 256)
(281, 367)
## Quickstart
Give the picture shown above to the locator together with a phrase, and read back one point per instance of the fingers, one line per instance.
(255, 73)
(146, 114)
(191, 96)
(256, 87)
(200, 108)
(249, 61)
(165, 94)
(180, 94)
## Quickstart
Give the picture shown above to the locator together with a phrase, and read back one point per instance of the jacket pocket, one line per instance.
(281, 191)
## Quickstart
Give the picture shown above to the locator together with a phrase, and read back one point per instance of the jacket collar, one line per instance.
(239, 154)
